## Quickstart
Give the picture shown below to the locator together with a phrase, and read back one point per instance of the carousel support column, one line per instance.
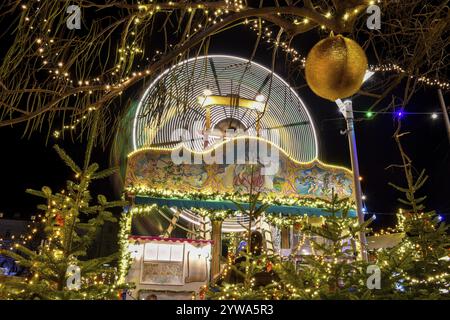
(217, 247)
(291, 237)
(205, 228)
(258, 224)
(346, 109)
(285, 238)
(207, 127)
(258, 124)
(267, 233)
(173, 222)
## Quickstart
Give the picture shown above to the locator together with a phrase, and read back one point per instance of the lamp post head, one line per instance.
(346, 107)
(368, 75)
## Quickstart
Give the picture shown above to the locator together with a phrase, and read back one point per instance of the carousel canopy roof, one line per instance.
(239, 90)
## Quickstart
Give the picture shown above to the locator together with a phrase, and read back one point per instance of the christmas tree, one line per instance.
(332, 270)
(418, 267)
(246, 276)
(59, 268)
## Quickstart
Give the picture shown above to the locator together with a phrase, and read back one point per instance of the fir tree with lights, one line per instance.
(419, 266)
(333, 270)
(59, 268)
(245, 276)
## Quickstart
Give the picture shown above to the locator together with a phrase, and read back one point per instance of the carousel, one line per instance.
(211, 139)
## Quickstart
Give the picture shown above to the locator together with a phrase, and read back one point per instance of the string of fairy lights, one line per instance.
(11, 242)
(213, 15)
(232, 291)
(53, 224)
(224, 196)
(56, 67)
(266, 35)
(229, 291)
(434, 115)
(283, 289)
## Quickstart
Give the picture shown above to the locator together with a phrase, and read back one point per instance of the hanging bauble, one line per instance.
(269, 266)
(335, 67)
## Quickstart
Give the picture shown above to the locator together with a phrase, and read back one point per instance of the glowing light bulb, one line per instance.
(260, 98)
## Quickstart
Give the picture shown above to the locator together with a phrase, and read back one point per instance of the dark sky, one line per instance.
(30, 163)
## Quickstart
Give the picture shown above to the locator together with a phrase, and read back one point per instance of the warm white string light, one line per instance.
(57, 70)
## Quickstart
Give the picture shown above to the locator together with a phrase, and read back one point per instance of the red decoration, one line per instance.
(59, 220)
(202, 292)
(269, 266)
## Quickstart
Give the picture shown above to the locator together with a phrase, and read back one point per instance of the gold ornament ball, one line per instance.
(335, 68)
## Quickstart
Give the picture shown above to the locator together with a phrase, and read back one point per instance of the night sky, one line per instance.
(32, 163)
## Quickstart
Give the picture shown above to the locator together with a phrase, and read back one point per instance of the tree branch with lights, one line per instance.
(56, 77)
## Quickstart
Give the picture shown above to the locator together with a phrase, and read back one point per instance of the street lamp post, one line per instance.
(444, 113)
(346, 109)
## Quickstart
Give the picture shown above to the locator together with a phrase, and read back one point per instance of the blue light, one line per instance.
(440, 218)
(241, 246)
(400, 114)
(399, 287)
(374, 217)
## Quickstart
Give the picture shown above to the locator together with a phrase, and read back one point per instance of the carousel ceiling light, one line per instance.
(260, 98)
(207, 92)
(258, 106)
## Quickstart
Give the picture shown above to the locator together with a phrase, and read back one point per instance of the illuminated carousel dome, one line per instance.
(237, 92)
(217, 93)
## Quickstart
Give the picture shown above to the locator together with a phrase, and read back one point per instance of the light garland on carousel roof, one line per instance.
(235, 197)
(245, 137)
(288, 221)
